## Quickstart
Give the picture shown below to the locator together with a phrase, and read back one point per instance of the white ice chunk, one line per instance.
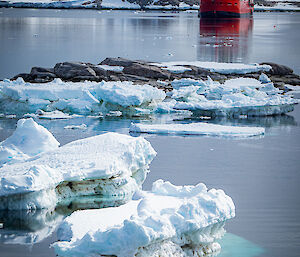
(127, 94)
(200, 128)
(169, 215)
(115, 160)
(111, 68)
(28, 140)
(80, 98)
(235, 97)
(263, 78)
(177, 83)
(224, 68)
(177, 69)
(82, 126)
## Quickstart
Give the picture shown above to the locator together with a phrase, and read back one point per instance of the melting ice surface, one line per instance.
(168, 221)
(111, 165)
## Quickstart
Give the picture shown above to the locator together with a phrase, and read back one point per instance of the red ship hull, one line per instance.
(226, 8)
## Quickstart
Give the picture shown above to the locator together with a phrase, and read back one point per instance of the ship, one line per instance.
(226, 8)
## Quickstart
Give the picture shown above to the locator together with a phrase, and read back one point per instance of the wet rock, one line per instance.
(147, 71)
(278, 69)
(25, 76)
(99, 71)
(71, 70)
(83, 78)
(118, 62)
(39, 74)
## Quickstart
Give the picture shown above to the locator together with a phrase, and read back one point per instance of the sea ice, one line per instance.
(88, 98)
(28, 140)
(235, 97)
(200, 128)
(168, 221)
(110, 165)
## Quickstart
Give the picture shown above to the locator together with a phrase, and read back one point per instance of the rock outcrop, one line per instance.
(144, 72)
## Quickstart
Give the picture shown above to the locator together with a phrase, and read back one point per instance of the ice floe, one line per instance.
(88, 98)
(232, 98)
(235, 97)
(28, 140)
(111, 165)
(200, 128)
(168, 221)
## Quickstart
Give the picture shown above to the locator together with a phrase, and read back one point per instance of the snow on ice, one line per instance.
(28, 140)
(223, 68)
(200, 128)
(235, 97)
(112, 165)
(168, 221)
(87, 98)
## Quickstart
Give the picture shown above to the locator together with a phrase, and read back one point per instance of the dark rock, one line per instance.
(70, 70)
(83, 78)
(99, 71)
(128, 77)
(42, 73)
(278, 69)
(27, 77)
(147, 71)
(36, 70)
(118, 62)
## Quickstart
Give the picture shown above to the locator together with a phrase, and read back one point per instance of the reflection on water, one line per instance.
(28, 227)
(267, 122)
(225, 40)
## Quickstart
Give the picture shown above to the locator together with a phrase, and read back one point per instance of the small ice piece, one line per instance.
(111, 68)
(176, 69)
(111, 164)
(28, 140)
(169, 219)
(263, 78)
(200, 128)
(185, 82)
(54, 115)
(82, 126)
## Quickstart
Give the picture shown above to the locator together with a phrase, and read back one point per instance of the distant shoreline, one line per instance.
(169, 8)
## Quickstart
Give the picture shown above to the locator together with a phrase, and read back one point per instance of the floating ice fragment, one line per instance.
(112, 165)
(28, 140)
(82, 126)
(169, 221)
(18, 97)
(200, 128)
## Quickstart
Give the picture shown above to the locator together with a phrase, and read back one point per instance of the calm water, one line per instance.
(30, 37)
(260, 174)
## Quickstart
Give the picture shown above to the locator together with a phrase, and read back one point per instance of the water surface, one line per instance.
(260, 174)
